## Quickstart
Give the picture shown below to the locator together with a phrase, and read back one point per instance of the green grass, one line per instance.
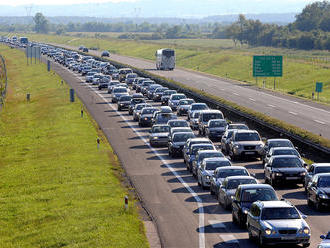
(218, 57)
(56, 188)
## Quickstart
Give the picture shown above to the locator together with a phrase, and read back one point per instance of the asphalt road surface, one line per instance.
(185, 215)
(305, 114)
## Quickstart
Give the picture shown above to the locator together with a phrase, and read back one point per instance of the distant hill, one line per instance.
(181, 9)
(226, 19)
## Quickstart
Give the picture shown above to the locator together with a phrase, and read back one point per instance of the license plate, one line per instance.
(248, 153)
(292, 178)
(288, 237)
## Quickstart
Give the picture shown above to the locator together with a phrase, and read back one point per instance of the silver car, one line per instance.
(159, 135)
(314, 169)
(228, 188)
(277, 222)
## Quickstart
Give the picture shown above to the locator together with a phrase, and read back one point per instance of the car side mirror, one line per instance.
(297, 148)
(268, 155)
(322, 236)
(253, 175)
(263, 139)
(310, 184)
(304, 216)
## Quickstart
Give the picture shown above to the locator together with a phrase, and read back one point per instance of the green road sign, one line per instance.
(319, 87)
(267, 66)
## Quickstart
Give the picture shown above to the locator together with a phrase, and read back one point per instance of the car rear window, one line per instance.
(232, 172)
(247, 137)
(258, 194)
(286, 162)
(234, 183)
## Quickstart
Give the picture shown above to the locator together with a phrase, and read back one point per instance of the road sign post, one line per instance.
(48, 65)
(318, 89)
(71, 95)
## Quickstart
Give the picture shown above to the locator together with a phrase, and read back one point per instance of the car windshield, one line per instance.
(247, 137)
(139, 107)
(138, 100)
(201, 148)
(186, 102)
(125, 98)
(280, 143)
(234, 183)
(286, 152)
(131, 76)
(322, 169)
(286, 162)
(148, 111)
(232, 172)
(324, 182)
(166, 116)
(261, 194)
(182, 137)
(160, 129)
(218, 124)
(279, 213)
(199, 107)
(178, 124)
(119, 90)
(210, 116)
(178, 97)
(216, 164)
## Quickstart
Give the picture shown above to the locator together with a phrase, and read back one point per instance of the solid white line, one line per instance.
(320, 122)
(191, 191)
(293, 113)
(228, 238)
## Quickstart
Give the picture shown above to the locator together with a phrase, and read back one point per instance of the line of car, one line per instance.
(254, 205)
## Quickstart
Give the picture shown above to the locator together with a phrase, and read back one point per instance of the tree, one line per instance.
(60, 29)
(41, 23)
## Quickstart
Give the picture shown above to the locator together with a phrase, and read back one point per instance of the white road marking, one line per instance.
(167, 164)
(228, 238)
(293, 113)
(269, 105)
(217, 224)
(222, 89)
(251, 99)
(320, 122)
(236, 94)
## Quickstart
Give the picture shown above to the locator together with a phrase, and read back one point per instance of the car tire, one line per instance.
(211, 191)
(318, 205)
(249, 232)
(306, 245)
(272, 182)
(233, 218)
(199, 184)
(202, 184)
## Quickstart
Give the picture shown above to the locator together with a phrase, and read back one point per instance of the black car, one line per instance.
(245, 195)
(135, 101)
(284, 169)
(145, 118)
(124, 102)
(105, 54)
(85, 50)
(318, 191)
(175, 145)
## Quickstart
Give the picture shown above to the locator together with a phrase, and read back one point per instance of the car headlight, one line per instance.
(208, 177)
(278, 174)
(245, 210)
(268, 231)
(302, 173)
(145, 118)
(323, 196)
(155, 137)
(304, 230)
(236, 146)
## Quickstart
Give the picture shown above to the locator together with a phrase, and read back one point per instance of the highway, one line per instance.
(185, 215)
(305, 114)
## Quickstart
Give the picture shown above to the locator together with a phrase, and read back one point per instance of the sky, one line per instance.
(68, 2)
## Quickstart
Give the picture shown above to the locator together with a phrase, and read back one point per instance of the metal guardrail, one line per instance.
(3, 81)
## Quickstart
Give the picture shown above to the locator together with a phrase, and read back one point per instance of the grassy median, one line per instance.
(56, 188)
(218, 57)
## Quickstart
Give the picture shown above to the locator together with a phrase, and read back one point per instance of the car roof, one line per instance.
(283, 148)
(321, 164)
(275, 204)
(252, 186)
(209, 151)
(323, 174)
(231, 167)
(210, 111)
(284, 156)
(274, 140)
(160, 125)
(245, 131)
(216, 159)
(178, 133)
(239, 177)
(201, 144)
(177, 120)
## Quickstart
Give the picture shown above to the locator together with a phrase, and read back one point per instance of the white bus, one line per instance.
(165, 59)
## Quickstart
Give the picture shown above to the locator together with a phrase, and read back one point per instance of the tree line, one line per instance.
(311, 30)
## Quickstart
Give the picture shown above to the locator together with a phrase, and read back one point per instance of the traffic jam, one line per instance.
(210, 147)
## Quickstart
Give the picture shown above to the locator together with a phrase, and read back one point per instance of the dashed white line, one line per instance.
(163, 160)
(251, 99)
(320, 122)
(293, 113)
(236, 94)
(269, 105)
(228, 238)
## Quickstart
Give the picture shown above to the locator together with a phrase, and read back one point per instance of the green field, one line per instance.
(218, 57)
(56, 188)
